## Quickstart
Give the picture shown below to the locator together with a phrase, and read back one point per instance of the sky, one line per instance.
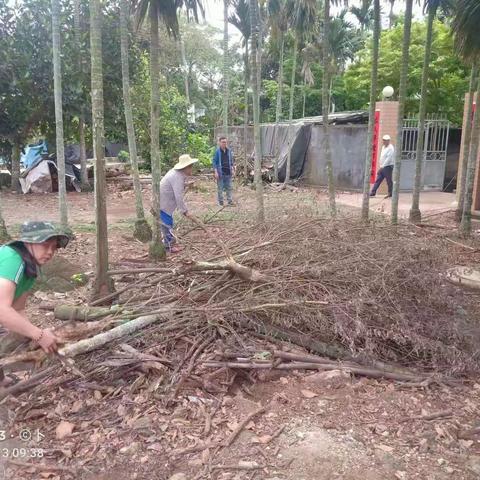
(214, 13)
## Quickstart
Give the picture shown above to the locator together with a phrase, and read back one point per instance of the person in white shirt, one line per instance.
(387, 161)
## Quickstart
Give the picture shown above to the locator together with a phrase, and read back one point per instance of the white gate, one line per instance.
(434, 155)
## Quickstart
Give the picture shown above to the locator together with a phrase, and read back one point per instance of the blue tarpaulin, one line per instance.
(33, 153)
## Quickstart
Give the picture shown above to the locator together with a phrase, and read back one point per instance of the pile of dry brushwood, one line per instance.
(371, 300)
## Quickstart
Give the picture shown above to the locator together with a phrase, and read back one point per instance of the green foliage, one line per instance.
(123, 156)
(448, 76)
(173, 117)
(200, 146)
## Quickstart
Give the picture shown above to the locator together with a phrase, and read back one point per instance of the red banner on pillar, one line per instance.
(376, 131)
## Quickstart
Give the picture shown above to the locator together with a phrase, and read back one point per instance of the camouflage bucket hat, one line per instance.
(39, 232)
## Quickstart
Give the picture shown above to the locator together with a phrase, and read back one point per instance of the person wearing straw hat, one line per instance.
(172, 190)
(20, 261)
(387, 161)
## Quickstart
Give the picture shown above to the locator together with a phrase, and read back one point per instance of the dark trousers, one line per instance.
(384, 173)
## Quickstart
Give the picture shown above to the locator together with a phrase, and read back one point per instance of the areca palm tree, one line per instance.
(142, 230)
(57, 88)
(255, 82)
(102, 281)
(302, 18)
(467, 40)
(225, 67)
(467, 141)
(391, 16)
(157, 11)
(402, 95)
(240, 18)
(431, 7)
(371, 116)
(326, 101)
(85, 185)
(278, 21)
(364, 14)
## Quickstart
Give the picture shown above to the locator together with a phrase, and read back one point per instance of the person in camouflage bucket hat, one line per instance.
(19, 264)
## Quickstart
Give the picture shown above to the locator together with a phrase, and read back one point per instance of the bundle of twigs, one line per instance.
(372, 296)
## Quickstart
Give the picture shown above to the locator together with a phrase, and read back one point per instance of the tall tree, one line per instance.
(102, 280)
(255, 74)
(467, 135)
(165, 11)
(226, 61)
(326, 103)
(278, 20)
(465, 26)
(364, 14)
(77, 21)
(240, 18)
(57, 81)
(391, 16)
(142, 230)
(431, 7)
(183, 56)
(371, 117)
(302, 17)
(402, 95)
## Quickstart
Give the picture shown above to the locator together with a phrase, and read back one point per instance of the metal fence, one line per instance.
(436, 135)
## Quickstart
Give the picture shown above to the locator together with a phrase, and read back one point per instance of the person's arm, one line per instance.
(214, 163)
(15, 322)
(178, 186)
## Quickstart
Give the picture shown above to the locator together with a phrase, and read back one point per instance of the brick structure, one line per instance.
(476, 186)
(388, 121)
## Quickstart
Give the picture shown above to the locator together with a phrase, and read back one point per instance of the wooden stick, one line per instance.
(431, 416)
(125, 271)
(366, 372)
(89, 344)
(242, 425)
(25, 385)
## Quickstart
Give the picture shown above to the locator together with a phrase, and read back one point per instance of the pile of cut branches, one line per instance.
(374, 298)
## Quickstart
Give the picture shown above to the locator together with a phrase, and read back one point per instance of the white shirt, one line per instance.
(172, 188)
(387, 157)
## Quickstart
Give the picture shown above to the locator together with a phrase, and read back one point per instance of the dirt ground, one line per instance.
(317, 426)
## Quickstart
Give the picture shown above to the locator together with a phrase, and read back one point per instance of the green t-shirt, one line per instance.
(12, 267)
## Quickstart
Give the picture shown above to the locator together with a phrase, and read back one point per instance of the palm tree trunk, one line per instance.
(415, 214)
(225, 68)
(85, 184)
(256, 113)
(466, 142)
(245, 112)
(157, 249)
(466, 223)
(278, 113)
(142, 229)
(57, 88)
(304, 97)
(185, 69)
(402, 95)
(326, 108)
(371, 119)
(290, 110)
(391, 16)
(4, 236)
(102, 281)
(15, 185)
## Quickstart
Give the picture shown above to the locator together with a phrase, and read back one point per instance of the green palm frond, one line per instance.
(465, 27)
(167, 12)
(302, 15)
(240, 18)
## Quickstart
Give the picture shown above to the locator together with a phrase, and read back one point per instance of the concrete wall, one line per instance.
(348, 145)
(236, 139)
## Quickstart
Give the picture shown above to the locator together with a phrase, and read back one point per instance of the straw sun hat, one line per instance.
(185, 161)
